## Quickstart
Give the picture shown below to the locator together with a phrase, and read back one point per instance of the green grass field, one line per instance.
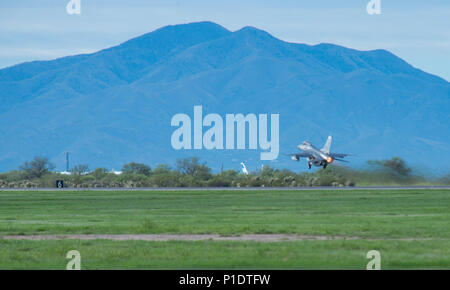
(411, 228)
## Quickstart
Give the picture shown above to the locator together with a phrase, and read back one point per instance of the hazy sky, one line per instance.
(415, 30)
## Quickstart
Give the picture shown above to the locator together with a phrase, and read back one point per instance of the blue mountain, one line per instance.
(114, 106)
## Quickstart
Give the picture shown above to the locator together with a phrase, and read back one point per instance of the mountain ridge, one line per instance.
(115, 105)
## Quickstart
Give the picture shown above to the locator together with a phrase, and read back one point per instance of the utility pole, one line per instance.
(67, 161)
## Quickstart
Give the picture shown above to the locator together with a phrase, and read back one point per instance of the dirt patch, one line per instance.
(181, 237)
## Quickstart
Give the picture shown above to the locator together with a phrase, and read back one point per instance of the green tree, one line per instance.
(267, 171)
(80, 169)
(191, 166)
(100, 173)
(136, 168)
(37, 167)
(162, 169)
(396, 165)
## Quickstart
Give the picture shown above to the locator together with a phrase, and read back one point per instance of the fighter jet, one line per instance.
(317, 157)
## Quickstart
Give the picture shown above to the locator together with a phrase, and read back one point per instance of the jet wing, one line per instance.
(298, 155)
(338, 155)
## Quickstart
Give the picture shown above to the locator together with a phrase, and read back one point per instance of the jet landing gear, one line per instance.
(325, 165)
(309, 165)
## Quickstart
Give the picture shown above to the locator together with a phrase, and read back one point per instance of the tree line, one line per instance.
(190, 172)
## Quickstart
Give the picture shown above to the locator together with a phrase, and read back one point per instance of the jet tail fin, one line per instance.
(326, 147)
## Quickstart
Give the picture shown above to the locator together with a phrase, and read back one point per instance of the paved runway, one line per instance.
(228, 188)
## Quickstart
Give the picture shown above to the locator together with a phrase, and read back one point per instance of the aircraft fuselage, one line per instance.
(317, 158)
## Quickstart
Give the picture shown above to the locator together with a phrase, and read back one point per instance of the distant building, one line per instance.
(116, 172)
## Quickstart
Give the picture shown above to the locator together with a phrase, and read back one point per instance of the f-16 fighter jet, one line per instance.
(317, 157)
